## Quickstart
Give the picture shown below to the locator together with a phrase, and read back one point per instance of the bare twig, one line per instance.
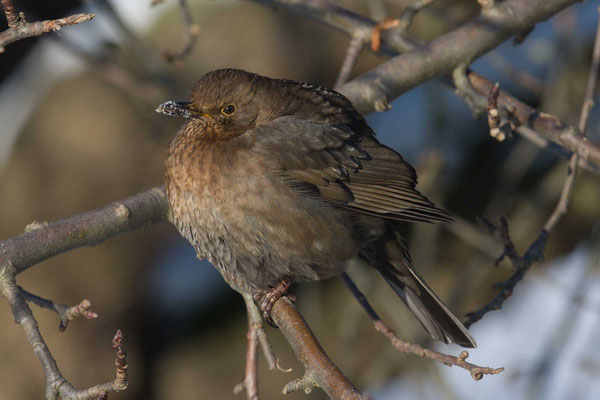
(372, 91)
(56, 384)
(588, 103)
(191, 34)
(250, 382)
(445, 53)
(47, 240)
(493, 114)
(543, 129)
(521, 265)
(255, 318)
(535, 251)
(354, 48)
(19, 28)
(476, 371)
(500, 119)
(410, 11)
(65, 313)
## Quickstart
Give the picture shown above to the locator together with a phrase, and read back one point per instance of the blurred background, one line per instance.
(78, 130)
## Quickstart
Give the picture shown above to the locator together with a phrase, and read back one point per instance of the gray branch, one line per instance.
(373, 90)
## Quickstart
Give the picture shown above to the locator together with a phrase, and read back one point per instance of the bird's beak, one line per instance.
(180, 109)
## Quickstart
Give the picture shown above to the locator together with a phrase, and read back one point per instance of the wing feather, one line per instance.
(348, 168)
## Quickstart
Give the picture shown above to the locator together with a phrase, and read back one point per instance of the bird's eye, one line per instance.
(228, 110)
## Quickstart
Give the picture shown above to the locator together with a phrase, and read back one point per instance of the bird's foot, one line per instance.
(265, 299)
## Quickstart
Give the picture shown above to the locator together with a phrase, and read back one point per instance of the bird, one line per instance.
(278, 182)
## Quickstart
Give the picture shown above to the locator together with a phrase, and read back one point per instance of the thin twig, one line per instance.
(250, 382)
(588, 103)
(373, 90)
(410, 11)
(354, 48)
(535, 252)
(493, 113)
(56, 384)
(19, 28)
(45, 240)
(476, 371)
(65, 312)
(256, 319)
(191, 35)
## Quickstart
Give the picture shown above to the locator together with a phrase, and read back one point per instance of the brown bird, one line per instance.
(277, 181)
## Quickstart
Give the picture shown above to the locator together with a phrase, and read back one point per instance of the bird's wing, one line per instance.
(347, 168)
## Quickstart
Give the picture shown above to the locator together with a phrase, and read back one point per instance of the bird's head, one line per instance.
(228, 102)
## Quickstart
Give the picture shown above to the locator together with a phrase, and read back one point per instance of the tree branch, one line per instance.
(250, 382)
(535, 251)
(191, 34)
(19, 28)
(460, 46)
(319, 370)
(44, 240)
(65, 312)
(56, 384)
(476, 371)
(86, 229)
(375, 89)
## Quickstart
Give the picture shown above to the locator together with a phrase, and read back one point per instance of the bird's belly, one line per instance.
(257, 232)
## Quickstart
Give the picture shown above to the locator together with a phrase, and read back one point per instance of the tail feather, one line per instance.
(391, 259)
(431, 312)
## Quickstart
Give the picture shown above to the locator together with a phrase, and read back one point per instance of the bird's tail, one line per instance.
(395, 266)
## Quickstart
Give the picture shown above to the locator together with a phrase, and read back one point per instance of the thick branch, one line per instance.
(442, 55)
(11, 16)
(375, 89)
(320, 371)
(535, 251)
(87, 229)
(43, 241)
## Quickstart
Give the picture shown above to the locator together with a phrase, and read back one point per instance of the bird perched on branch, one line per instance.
(277, 181)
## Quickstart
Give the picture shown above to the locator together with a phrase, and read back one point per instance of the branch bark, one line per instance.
(535, 251)
(44, 240)
(375, 89)
(56, 384)
(442, 55)
(319, 370)
(19, 28)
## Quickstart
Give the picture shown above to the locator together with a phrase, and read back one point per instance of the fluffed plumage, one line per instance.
(277, 179)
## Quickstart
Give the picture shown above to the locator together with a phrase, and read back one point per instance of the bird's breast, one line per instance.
(235, 210)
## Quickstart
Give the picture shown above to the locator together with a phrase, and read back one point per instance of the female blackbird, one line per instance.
(277, 181)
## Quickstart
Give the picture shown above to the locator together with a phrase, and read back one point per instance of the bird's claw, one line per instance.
(266, 299)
